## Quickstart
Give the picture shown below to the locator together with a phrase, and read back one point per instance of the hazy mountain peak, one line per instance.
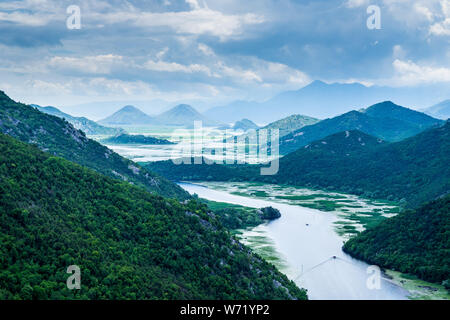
(129, 108)
(128, 115)
(388, 109)
(184, 108)
(183, 115)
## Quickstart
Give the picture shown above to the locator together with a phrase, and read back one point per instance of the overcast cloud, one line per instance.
(215, 51)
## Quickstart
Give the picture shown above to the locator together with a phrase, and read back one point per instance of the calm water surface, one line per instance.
(307, 244)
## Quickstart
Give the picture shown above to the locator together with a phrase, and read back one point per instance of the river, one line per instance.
(310, 250)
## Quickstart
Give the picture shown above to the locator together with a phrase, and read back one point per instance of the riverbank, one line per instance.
(310, 228)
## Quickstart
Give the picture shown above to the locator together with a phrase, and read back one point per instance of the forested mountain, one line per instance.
(383, 121)
(59, 137)
(84, 124)
(134, 139)
(388, 109)
(291, 124)
(184, 115)
(245, 125)
(414, 170)
(415, 242)
(128, 243)
(128, 115)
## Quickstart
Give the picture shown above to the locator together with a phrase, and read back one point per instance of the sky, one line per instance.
(215, 51)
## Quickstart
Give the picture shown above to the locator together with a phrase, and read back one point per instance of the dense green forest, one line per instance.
(128, 243)
(412, 171)
(415, 242)
(58, 137)
(233, 216)
(134, 139)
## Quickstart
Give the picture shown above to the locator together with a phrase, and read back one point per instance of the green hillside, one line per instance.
(386, 121)
(58, 137)
(415, 242)
(134, 139)
(291, 124)
(87, 126)
(388, 109)
(128, 243)
(414, 170)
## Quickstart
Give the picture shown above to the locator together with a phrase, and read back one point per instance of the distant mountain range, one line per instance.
(318, 99)
(440, 110)
(385, 120)
(84, 124)
(180, 115)
(128, 115)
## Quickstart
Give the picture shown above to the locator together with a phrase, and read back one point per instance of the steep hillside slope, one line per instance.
(416, 242)
(58, 137)
(413, 171)
(127, 243)
(87, 126)
(383, 121)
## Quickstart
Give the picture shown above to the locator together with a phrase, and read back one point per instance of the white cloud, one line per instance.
(22, 18)
(175, 67)
(205, 49)
(197, 21)
(356, 3)
(410, 73)
(237, 73)
(442, 27)
(101, 64)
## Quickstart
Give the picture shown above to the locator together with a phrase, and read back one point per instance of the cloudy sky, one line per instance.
(215, 50)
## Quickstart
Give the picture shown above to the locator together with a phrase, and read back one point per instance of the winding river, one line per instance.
(309, 250)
